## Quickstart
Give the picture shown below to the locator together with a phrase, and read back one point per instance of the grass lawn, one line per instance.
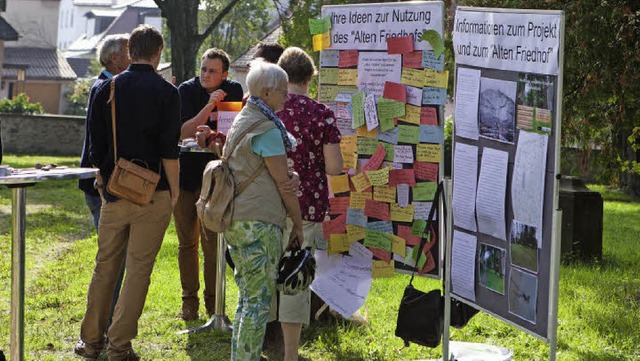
(599, 307)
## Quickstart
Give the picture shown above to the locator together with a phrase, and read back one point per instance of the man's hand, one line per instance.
(202, 134)
(217, 96)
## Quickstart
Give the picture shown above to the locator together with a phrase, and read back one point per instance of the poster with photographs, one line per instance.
(535, 103)
(524, 246)
(496, 109)
(523, 293)
(491, 267)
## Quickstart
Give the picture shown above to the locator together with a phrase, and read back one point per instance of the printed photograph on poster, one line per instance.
(491, 267)
(496, 109)
(535, 103)
(523, 291)
(524, 246)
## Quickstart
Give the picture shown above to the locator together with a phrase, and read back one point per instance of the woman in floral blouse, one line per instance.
(316, 155)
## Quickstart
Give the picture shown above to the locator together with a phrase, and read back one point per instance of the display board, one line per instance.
(508, 103)
(387, 89)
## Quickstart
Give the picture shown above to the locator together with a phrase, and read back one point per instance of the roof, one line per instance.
(108, 13)
(7, 32)
(80, 66)
(93, 2)
(245, 58)
(41, 64)
(145, 4)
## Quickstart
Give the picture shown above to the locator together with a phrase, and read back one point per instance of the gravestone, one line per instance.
(582, 211)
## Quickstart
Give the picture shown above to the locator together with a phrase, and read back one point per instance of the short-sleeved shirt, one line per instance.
(268, 144)
(313, 126)
(194, 97)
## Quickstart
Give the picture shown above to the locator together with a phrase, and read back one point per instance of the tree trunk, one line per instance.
(182, 21)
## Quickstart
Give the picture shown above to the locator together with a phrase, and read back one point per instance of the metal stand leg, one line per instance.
(219, 321)
(17, 274)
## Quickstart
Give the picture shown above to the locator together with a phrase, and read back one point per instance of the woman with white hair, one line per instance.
(256, 147)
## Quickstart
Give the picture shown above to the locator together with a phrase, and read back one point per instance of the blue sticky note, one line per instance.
(433, 96)
(356, 217)
(431, 134)
(429, 60)
(389, 136)
(381, 226)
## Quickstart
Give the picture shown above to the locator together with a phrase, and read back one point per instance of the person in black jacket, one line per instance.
(200, 97)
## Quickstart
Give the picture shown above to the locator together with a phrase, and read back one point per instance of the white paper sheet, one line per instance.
(370, 112)
(403, 195)
(465, 173)
(463, 262)
(343, 282)
(527, 184)
(466, 106)
(374, 69)
(492, 189)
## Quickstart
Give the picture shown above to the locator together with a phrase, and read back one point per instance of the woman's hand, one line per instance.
(296, 238)
(293, 184)
(202, 134)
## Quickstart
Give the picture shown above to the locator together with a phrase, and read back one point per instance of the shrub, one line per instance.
(78, 98)
(20, 104)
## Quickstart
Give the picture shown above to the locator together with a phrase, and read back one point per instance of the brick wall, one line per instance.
(42, 134)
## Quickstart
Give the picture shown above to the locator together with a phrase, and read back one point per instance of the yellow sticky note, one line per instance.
(349, 143)
(329, 76)
(328, 93)
(384, 194)
(413, 77)
(380, 269)
(436, 79)
(360, 182)
(429, 153)
(401, 214)
(347, 76)
(349, 160)
(398, 246)
(339, 183)
(358, 198)
(321, 41)
(363, 132)
(354, 233)
(338, 243)
(379, 177)
(411, 114)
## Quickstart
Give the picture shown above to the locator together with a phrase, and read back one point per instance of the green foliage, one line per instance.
(79, 97)
(21, 104)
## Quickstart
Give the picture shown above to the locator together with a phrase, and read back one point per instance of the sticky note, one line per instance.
(328, 75)
(408, 134)
(436, 79)
(336, 225)
(357, 109)
(414, 95)
(319, 26)
(354, 233)
(424, 191)
(413, 60)
(428, 116)
(384, 194)
(413, 77)
(377, 239)
(390, 136)
(348, 143)
(374, 162)
(403, 154)
(395, 91)
(426, 171)
(356, 217)
(338, 243)
(328, 92)
(402, 176)
(364, 132)
(339, 183)
(370, 112)
(349, 159)
(400, 214)
(390, 152)
(398, 246)
(435, 40)
(431, 134)
(405, 233)
(339, 205)
(430, 61)
(360, 182)
(418, 227)
(381, 254)
(382, 269)
(348, 58)
(378, 177)
(380, 226)
(429, 153)
(403, 195)
(378, 210)
(400, 45)
(358, 198)
(421, 210)
(367, 146)
(412, 114)
(347, 76)
(434, 96)
(321, 41)
(329, 58)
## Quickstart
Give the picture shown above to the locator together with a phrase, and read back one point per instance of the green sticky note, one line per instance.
(435, 40)
(390, 150)
(414, 255)
(367, 146)
(320, 26)
(424, 191)
(377, 239)
(418, 227)
(329, 76)
(388, 108)
(408, 134)
(357, 108)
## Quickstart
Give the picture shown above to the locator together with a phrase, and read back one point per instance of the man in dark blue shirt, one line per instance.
(114, 57)
(147, 112)
(200, 97)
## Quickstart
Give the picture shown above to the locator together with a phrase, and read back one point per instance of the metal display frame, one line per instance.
(553, 219)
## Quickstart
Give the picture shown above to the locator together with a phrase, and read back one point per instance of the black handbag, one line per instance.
(420, 314)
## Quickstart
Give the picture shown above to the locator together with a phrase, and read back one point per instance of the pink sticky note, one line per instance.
(333, 226)
(400, 45)
(429, 116)
(378, 210)
(381, 254)
(376, 159)
(402, 176)
(348, 58)
(339, 205)
(412, 60)
(404, 232)
(395, 91)
(425, 171)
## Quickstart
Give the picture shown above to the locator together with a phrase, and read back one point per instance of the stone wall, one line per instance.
(42, 134)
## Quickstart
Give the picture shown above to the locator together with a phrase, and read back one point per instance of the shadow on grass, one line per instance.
(601, 356)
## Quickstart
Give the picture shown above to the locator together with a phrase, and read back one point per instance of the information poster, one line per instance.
(387, 88)
(506, 127)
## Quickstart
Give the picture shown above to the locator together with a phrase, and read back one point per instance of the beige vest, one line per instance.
(261, 200)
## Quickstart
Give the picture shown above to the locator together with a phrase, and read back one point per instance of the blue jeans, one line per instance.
(94, 203)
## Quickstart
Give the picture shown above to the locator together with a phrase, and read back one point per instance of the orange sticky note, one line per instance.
(339, 205)
(412, 60)
(375, 209)
(333, 226)
(402, 176)
(348, 58)
(426, 171)
(376, 159)
(428, 116)
(395, 91)
(339, 183)
(400, 45)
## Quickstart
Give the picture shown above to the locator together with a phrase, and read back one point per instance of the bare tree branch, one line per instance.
(214, 23)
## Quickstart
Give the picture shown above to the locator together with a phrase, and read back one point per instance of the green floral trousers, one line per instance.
(255, 249)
